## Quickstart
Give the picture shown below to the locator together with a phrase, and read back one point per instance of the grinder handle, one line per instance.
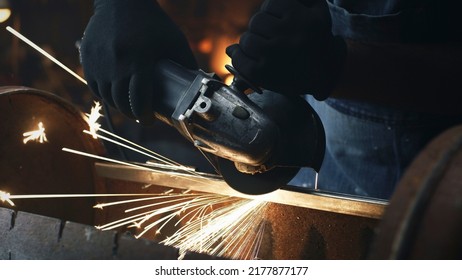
(172, 82)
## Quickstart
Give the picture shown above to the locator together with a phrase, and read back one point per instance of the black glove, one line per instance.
(121, 44)
(289, 48)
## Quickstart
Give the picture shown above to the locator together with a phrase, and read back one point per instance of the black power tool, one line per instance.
(257, 142)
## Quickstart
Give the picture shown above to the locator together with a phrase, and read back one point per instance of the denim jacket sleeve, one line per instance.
(397, 21)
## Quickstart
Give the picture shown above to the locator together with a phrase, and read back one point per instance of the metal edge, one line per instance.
(318, 200)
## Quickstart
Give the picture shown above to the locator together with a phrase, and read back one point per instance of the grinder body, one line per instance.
(258, 141)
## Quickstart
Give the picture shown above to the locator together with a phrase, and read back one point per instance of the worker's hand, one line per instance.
(121, 44)
(289, 48)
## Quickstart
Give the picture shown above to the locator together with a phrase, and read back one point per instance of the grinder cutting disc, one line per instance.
(301, 144)
(259, 183)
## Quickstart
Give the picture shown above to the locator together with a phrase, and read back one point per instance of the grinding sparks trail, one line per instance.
(36, 135)
(43, 52)
(217, 225)
(95, 127)
(7, 197)
(230, 231)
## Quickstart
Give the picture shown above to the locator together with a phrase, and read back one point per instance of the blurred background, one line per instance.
(58, 25)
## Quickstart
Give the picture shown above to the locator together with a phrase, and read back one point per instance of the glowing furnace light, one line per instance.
(36, 135)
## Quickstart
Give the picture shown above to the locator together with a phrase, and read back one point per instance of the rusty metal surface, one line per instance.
(35, 168)
(301, 233)
(291, 232)
(314, 200)
(424, 218)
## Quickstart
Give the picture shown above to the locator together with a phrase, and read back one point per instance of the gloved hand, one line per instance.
(289, 48)
(121, 44)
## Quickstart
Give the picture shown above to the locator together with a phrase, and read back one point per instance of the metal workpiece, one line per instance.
(303, 234)
(290, 232)
(312, 225)
(299, 197)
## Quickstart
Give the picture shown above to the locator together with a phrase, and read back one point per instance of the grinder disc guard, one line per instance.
(301, 144)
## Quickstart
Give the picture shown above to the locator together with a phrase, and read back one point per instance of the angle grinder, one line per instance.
(257, 142)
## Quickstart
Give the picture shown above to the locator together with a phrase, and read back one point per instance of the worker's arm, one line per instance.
(289, 48)
(419, 77)
(121, 45)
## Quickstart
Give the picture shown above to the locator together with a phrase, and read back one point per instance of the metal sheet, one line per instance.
(318, 200)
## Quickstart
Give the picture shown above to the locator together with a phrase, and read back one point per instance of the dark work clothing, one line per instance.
(369, 146)
(397, 21)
